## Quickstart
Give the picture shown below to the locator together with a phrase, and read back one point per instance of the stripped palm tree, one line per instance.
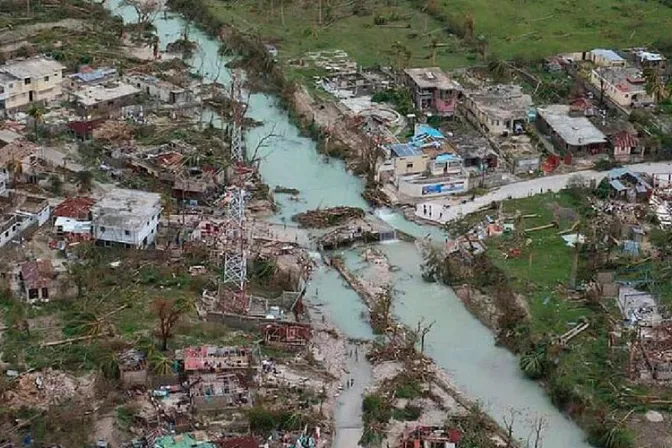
(37, 114)
(655, 86)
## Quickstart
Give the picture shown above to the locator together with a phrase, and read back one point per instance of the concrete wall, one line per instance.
(410, 165)
(441, 187)
(524, 164)
(44, 89)
(238, 322)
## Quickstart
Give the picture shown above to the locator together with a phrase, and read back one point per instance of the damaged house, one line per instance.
(499, 110)
(192, 177)
(433, 91)
(625, 86)
(289, 335)
(218, 391)
(210, 358)
(430, 437)
(37, 280)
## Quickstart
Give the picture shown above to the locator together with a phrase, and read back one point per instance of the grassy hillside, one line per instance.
(367, 29)
(521, 28)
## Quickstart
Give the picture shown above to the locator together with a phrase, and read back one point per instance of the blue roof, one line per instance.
(94, 75)
(430, 131)
(617, 185)
(617, 173)
(609, 55)
(447, 158)
(404, 150)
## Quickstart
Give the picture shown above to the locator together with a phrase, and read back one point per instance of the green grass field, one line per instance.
(542, 271)
(513, 28)
(369, 44)
(520, 28)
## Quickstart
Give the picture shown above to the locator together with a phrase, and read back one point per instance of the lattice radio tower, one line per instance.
(235, 257)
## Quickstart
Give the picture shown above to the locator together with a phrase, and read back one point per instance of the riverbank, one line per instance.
(318, 118)
(409, 388)
(588, 375)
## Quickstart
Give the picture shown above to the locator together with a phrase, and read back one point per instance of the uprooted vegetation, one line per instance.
(571, 341)
(328, 217)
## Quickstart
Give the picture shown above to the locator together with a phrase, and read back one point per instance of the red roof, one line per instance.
(75, 208)
(624, 139)
(239, 442)
(85, 127)
(37, 274)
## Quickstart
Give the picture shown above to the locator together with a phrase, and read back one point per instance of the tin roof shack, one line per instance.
(430, 437)
(574, 134)
(625, 86)
(37, 280)
(499, 110)
(288, 335)
(218, 391)
(104, 100)
(606, 58)
(650, 60)
(520, 154)
(626, 146)
(129, 218)
(629, 185)
(157, 88)
(433, 90)
(132, 368)
(209, 358)
(77, 208)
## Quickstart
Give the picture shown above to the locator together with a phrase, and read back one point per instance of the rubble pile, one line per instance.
(328, 217)
(43, 389)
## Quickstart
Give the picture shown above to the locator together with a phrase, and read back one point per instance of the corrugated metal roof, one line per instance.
(404, 150)
(617, 185)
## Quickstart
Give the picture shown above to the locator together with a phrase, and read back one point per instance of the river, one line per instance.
(458, 342)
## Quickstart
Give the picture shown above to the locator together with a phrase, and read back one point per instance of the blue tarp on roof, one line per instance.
(404, 150)
(447, 158)
(617, 185)
(428, 130)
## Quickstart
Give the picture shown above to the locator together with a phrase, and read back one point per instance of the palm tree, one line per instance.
(85, 180)
(499, 69)
(655, 86)
(36, 113)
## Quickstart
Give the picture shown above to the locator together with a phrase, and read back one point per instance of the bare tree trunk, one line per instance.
(282, 12)
(319, 12)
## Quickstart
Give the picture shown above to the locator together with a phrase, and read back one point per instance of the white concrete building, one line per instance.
(25, 81)
(126, 217)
